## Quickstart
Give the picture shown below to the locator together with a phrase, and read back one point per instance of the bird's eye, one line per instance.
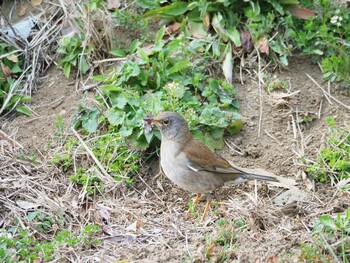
(166, 122)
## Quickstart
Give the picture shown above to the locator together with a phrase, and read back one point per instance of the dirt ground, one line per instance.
(146, 223)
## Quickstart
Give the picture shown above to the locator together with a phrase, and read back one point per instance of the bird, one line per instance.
(189, 163)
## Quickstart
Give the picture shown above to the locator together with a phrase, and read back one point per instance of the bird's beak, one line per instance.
(151, 121)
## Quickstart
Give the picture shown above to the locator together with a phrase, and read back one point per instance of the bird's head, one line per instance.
(171, 125)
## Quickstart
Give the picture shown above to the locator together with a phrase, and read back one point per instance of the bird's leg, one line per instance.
(195, 201)
(206, 210)
(207, 206)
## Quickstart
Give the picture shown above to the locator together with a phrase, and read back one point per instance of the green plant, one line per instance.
(334, 159)
(170, 76)
(10, 69)
(277, 84)
(264, 25)
(23, 246)
(74, 54)
(330, 239)
(326, 37)
(220, 246)
(88, 180)
(44, 221)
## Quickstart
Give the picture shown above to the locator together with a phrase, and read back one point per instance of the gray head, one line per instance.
(171, 125)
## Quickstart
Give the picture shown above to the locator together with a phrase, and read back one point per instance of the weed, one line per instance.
(333, 160)
(330, 239)
(88, 180)
(10, 69)
(74, 55)
(277, 84)
(220, 247)
(325, 36)
(22, 246)
(171, 76)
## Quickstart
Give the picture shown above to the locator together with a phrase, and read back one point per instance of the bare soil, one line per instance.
(146, 222)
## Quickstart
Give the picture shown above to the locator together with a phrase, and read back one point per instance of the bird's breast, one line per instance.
(174, 163)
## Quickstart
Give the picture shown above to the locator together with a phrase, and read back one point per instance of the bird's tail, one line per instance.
(259, 177)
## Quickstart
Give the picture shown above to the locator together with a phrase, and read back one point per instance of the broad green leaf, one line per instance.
(179, 66)
(24, 110)
(125, 132)
(172, 10)
(16, 69)
(235, 127)
(99, 78)
(328, 221)
(120, 102)
(115, 116)
(234, 35)
(276, 6)
(217, 133)
(32, 215)
(133, 46)
(197, 29)
(212, 143)
(118, 52)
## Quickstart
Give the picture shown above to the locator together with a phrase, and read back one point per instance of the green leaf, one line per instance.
(179, 66)
(84, 66)
(124, 131)
(120, 102)
(133, 46)
(24, 110)
(118, 52)
(115, 116)
(90, 121)
(16, 69)
(66, 70)
(212, 143)
(235, 127)
(328, 222)
(234, 35)
(99, 78)
(160, 33)
(143, 55)
(276, 6)
(217, 133)
(172, 10)
(216, 23)
(32, 215)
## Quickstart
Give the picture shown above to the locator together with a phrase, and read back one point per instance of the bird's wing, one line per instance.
(201, 158)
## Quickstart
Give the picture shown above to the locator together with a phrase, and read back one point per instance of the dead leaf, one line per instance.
(211, 249)
(172, 28)
(246, 40)
(300, 12)
(227, 66)
(26, 205)
(263, 45)
(36, 2)
(38, 260)
(135, 226)
(13, 58)
(104, 214)
(160, 186)
(113, 4)
(6, 70)
(23, 8)
(206, 21)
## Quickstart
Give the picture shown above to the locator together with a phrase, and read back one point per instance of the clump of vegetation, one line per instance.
(333, 160)
(10, 69)
(22, 246)
(170, 76)
(330, 239)
(220, 248)
(326, 36)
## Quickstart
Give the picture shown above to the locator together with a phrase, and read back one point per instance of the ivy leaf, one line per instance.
(115, 116)
(124, 131)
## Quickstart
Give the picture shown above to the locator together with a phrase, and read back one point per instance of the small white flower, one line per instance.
(334, 19)
(340, 18)
(338, 24)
